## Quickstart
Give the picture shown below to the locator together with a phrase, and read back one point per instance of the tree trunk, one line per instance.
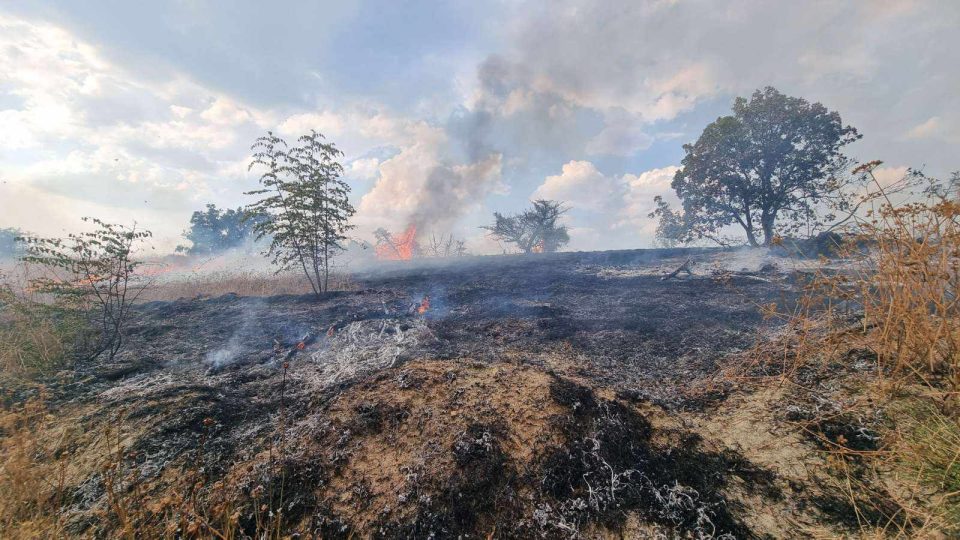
(766, 221)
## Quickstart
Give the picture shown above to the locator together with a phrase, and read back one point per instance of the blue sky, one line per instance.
(446, 111)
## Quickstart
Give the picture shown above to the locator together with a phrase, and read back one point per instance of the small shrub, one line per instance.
(94, 273)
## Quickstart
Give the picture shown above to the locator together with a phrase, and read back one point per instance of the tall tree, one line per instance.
(536, 230)
(771, 168)
(304, 203)
(214, 230)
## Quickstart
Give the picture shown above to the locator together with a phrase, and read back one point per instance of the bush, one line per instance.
(889, 314)
(93, 273)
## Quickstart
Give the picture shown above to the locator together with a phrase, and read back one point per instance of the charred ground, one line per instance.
(532, 398)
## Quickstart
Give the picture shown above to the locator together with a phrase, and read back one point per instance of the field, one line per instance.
(556, 395)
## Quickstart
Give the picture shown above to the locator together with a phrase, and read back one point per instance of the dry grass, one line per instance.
(32, 475)
(243, 283)
(35, 335)
(45, 460)
(883, 338)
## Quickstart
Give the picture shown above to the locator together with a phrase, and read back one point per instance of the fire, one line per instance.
(538, 248)
(398, 247)
(424, 305)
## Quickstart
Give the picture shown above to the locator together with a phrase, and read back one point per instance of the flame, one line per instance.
(424, 305)
(400, 247)
(538, 248)
(92, 280)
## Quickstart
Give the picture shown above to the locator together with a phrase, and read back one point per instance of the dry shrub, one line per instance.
(243, 283)
(898, 299)
(881, 332)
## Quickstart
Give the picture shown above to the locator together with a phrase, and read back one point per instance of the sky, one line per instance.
(445, 111)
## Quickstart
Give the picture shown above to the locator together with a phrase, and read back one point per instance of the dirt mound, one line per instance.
(460, 449)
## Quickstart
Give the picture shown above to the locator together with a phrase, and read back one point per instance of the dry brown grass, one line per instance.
(44, 460)
(243, 283)
(32, 475)
(883, 337)
(35, 335)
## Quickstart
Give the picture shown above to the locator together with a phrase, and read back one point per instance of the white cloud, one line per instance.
(580, 184)
(104, 142)
(608, 210)
(226, 112)
(641, 189)
(326, 122)
(887, 176)
(363, 169)
(930, 128)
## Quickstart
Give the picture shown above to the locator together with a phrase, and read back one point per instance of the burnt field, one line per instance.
(493, 397)
(610, 314)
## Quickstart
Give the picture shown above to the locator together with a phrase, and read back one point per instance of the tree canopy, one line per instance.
(536, 230)
(772, 167)
(304, 203)
(214, 230)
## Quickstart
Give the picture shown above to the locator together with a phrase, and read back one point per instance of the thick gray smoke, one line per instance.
(449, 191)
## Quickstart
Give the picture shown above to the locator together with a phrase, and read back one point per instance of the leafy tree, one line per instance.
(215, 230)
(94, 272)
(304, 204)
(770, 168)
(670, 225)
(9, 245)
(535, 230)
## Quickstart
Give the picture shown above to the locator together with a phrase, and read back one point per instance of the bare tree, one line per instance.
(444, 245)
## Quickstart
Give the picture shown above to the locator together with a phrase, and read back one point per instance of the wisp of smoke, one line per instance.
(225, 355)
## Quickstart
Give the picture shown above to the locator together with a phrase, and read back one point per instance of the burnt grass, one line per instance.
(233, 360)
(679, 487)
(605, 467)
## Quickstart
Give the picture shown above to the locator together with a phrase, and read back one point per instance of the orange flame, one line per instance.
(401, 247)
(538, 248)
(424, 305)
